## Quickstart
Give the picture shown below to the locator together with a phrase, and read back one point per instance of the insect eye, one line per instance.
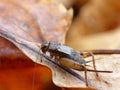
(43, 49)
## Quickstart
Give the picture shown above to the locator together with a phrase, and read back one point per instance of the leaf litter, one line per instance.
(62, 76)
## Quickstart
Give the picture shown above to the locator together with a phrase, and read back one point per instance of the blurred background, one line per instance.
(95, 25)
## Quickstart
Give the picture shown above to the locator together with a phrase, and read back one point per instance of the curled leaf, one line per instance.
(62, 76)
(66, 77)
(34, 21)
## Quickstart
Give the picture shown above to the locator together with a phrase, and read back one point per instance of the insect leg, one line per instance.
(86, 54)
(41, 59)
(48, 46)
(51, 55)
(85, 72)
(57, 58)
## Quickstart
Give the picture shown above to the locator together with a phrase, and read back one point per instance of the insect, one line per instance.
(68, 57)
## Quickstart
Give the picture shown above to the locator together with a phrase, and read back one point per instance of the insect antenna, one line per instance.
(48, 46)
(34, 72)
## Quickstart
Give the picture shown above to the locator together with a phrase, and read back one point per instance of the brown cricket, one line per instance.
(70, 58)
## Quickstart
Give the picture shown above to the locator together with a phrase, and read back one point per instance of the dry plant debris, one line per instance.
(28, 23)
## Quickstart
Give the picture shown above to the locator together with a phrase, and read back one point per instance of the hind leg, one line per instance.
(87, 54)
(85, 73)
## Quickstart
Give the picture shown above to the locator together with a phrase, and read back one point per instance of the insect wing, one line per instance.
(65, 49)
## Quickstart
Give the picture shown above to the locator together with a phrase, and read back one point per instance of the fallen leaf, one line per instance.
(32, 24)
(66, 77)
(62, 77)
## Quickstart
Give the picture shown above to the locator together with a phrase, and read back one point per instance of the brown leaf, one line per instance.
(32, 21)
(11, 57)
(18, 72)
(62, 77)
(41, 24)
(53, 24)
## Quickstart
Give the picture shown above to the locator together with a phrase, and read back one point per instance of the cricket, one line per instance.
(70, 58)
(66, 56)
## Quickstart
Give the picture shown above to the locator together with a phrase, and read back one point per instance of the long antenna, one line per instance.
(34, 72)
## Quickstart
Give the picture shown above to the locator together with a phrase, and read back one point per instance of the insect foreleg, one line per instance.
(48, 46)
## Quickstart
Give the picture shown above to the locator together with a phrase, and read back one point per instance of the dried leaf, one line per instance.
(41, 24)
(62, 77)
(36, 24)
